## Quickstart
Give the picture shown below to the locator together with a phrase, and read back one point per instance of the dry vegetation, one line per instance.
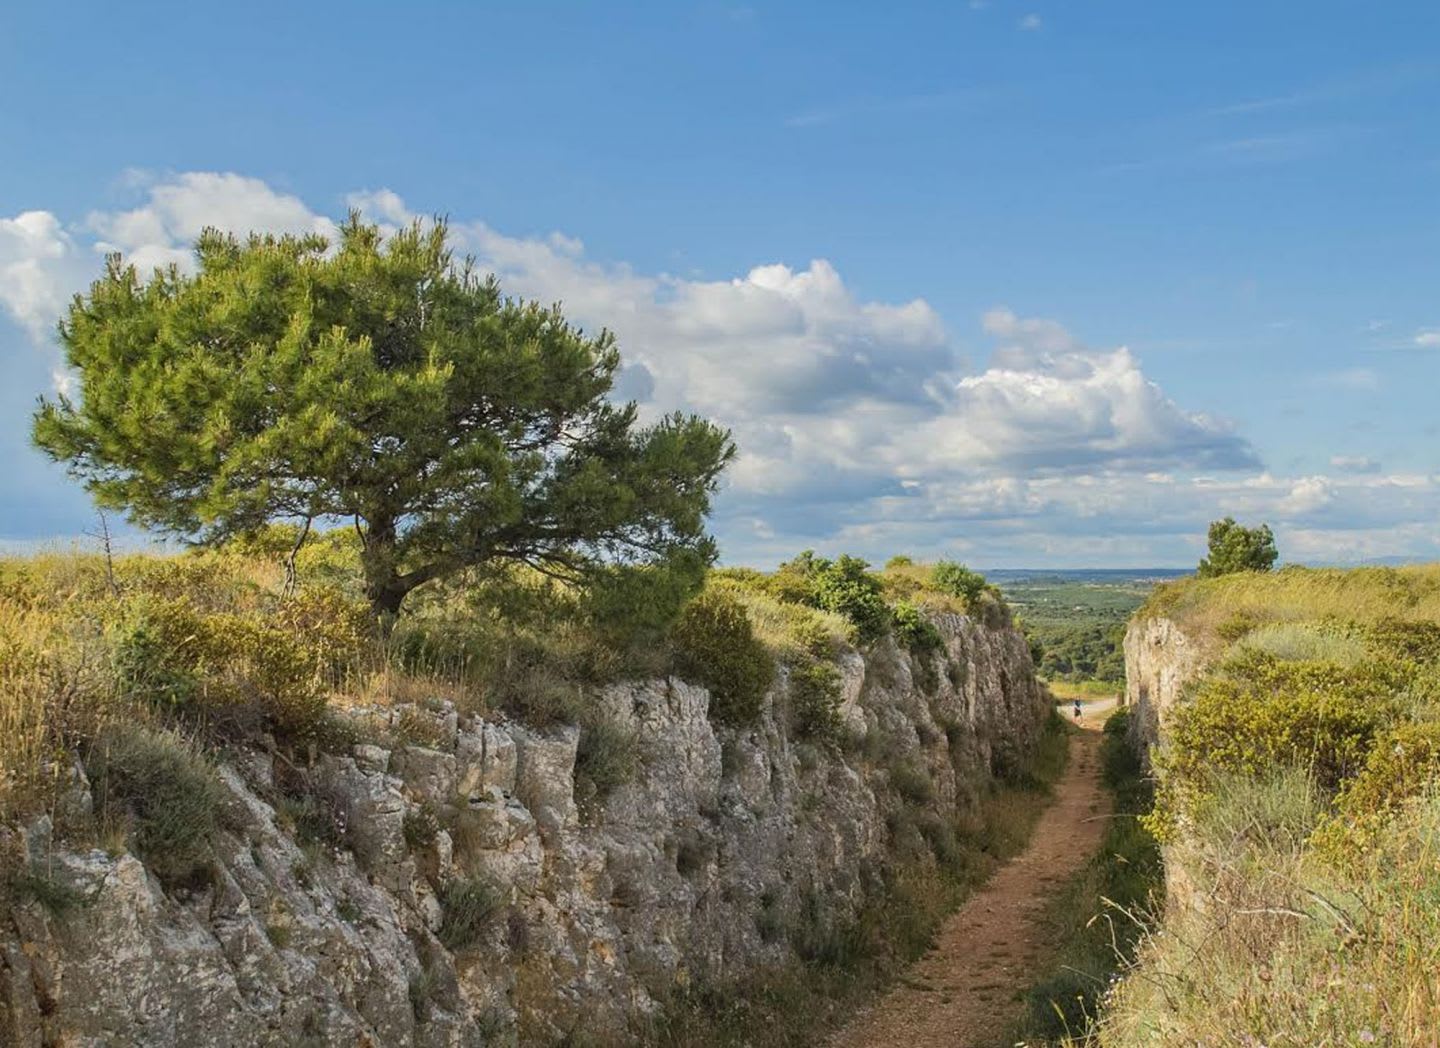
(1299, 796)
(1217, 611)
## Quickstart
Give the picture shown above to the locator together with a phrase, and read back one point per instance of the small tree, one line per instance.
(381, 382)
(1233, 547)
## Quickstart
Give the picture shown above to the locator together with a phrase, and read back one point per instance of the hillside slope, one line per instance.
(1294, 723)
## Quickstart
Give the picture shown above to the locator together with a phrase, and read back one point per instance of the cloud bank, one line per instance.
(861, 424)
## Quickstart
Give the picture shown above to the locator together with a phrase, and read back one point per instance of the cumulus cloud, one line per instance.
(860, 422)
(1427, 339)
(40, 267)
(177, 210)
(1046, 402)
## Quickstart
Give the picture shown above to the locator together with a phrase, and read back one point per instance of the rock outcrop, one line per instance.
(1160, 659)
(329, 913)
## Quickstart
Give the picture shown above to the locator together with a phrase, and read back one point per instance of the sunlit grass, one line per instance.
(1203, 607)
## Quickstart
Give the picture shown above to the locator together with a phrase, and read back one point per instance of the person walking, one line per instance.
(1077, 709)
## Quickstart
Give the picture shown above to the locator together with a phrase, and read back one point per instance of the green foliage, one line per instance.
(1403, 763)
(959, 581)
(420, 826)
(160, 648)
(1077, 623)
(716, 646)
(166, 793)
(846, 587)
(915, 631)
(1234, 547)
(59, 900)
(815, 702)
(607, 756)
(469, 906)
(1416, 641)
(378, 380)
(912, 782)
(1265, 714)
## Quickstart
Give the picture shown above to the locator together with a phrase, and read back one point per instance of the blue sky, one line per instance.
(1024, 283)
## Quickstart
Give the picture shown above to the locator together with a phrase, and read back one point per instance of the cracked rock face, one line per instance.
(338, 936)
(1160, 659)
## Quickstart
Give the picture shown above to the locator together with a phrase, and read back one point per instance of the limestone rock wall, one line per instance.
(1160, 659)
(323, 920)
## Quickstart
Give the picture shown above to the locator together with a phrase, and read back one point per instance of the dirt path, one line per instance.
(962, 994)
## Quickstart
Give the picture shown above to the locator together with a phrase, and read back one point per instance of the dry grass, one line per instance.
(791, 632)
(1279, 931)
(1203, 607)
(1276, 947)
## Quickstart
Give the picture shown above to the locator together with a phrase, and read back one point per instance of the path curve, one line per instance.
(963, 992)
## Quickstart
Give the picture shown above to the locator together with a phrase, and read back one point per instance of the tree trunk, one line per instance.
(384, 587)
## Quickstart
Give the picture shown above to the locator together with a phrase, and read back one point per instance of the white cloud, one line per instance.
(163, 230)
(40, 267)
(859, 421)
(1427, 339)
(1030, 23)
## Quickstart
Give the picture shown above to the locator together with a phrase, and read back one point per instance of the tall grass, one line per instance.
(1296, 594)
(1300, 795)
(1278, 946)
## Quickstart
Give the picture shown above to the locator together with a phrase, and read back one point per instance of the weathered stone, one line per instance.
(486, 756)
(689, 870)
(429, 775)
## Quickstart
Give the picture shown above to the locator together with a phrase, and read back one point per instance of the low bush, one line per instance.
(1261, 714)
(160, 788)
(815, 703)
(846, 587)
(1416, 641)
(160, 649)
(914, 630)
(469, 906)
(716, 646)
(912, 782)
(959, 581)
(607, 756)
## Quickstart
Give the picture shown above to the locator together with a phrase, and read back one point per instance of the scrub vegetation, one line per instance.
(1299, 803)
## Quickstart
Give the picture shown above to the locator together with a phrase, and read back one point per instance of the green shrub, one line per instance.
(420, 826)
(815, 702)
(912, 782)
(1261, 714)
(1404, 762)
(167, 793)
(915, 631)
(59, 900)
(607, 756)
(160, 649)
(468, 905)
(846, 586)
(1417, 641)
(959, 581)
(716, 646)
(278, 670)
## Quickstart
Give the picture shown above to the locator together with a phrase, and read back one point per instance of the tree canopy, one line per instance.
(1234, 547)
(377, 380)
